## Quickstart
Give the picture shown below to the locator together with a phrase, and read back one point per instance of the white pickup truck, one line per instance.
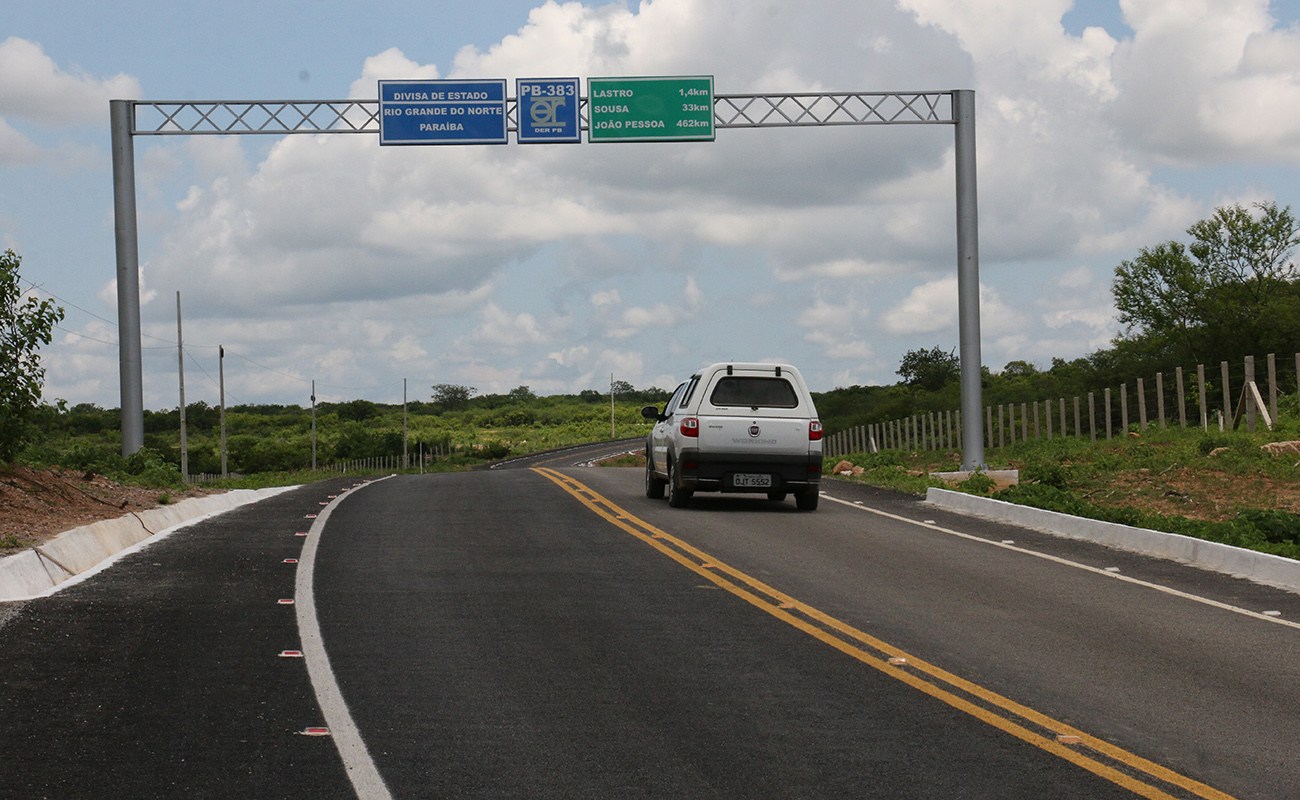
(736, 428)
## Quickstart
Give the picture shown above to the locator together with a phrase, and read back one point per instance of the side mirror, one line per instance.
(652, 412)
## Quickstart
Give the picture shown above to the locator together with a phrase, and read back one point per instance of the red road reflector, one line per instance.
(290, 654)
(311, 516)
(286, 601)
(898, 662)
(301, 533)
(324, 503)
(291, 561)
(314, 732)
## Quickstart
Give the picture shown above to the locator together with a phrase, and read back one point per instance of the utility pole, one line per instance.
(611, 405)
(180, 364)
(221, 373)
(313, 426)
(404, 459)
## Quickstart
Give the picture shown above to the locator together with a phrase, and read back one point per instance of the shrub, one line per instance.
(1055, 475)
(1277, 526)
(148, 468)
(977, 483)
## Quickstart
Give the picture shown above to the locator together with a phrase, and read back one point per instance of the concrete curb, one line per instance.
(80, 552)
(1271, 570)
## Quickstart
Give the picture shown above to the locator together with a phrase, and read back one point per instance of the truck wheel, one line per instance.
(678, 497)
(807, 500)
(654, 487)
(776, 496)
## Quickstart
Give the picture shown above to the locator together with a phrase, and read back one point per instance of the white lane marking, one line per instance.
(365, 777)
(1117, 576)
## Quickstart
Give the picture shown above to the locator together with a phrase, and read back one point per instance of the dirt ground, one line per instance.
(36, 505)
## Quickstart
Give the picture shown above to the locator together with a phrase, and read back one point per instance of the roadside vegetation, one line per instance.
(272, 444)
(1219, 486)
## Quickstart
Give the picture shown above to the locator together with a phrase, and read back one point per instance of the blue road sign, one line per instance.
(548, 110)
(442, 112)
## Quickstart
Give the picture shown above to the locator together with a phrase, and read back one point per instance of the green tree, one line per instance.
(450, 396)
(357, 410)
(929, 370)
(25, 325)
(1233, 291)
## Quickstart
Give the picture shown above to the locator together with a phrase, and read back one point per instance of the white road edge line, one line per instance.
(361, 770)
(1075, 564)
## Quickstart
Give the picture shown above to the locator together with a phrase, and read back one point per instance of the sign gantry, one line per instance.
(616, 109)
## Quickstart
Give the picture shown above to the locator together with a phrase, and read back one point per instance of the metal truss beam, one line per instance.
(282, 117)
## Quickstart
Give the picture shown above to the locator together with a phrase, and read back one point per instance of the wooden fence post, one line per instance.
(1036, 434)
(1123, 407)
(1160, 398)
(1250, 407)
(1227, 396)
(1108, 423)
(1200, 396)
(1047, 412)
(1062, 416)
(1078, 421)
(1024, 422)
(1142, 405)
(1092, 417)
(1182, 399)
(1272, 387)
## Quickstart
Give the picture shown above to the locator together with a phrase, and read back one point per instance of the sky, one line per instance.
(1103, 126)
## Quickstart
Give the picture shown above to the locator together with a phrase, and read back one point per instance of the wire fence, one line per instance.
(1231, 398)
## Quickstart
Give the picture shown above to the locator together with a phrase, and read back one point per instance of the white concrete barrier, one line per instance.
(1264, 568)
(80, 552)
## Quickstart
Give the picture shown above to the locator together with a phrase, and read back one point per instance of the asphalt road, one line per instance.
(512, 633)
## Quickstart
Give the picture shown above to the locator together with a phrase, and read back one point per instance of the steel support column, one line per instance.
(968, 281)
(121, 120)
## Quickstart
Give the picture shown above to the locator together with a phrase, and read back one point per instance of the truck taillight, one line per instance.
(814, 431)
(691, 427)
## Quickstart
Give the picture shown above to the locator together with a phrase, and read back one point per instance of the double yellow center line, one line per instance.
(1142, 777)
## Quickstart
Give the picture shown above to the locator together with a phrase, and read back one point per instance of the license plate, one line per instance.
(751, 479)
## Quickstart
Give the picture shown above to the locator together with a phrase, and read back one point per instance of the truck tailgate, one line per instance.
(754, 434)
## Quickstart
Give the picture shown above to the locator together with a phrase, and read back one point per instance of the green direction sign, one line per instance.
(650, 109)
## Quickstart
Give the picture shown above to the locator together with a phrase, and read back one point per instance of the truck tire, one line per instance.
(654, 487)
(678, 497)
(807, 500)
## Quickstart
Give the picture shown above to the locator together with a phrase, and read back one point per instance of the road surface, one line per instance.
(545, 631)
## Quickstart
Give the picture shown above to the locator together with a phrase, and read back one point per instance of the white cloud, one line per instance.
(1209, 81)
(932, 307)
(389, 65)
(34, 88)
(15, 148)
(607, 298)
(662, 316)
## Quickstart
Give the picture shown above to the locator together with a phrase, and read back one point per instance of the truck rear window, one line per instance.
(754, 392)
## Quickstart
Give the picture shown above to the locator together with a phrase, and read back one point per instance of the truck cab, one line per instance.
(736, 427)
